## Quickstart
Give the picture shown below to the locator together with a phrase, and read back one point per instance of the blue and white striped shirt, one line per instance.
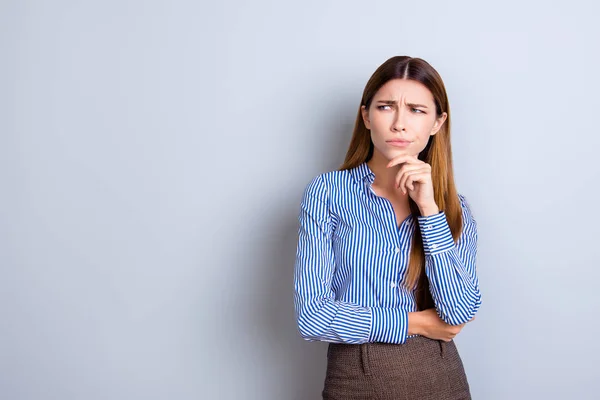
(352, 256)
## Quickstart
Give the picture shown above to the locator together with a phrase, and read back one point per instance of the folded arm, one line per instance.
(450, 266)
(318, 314)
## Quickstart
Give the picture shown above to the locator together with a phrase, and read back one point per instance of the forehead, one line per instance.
(410, 90)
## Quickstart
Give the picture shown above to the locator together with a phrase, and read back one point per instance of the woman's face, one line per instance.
(401, 118)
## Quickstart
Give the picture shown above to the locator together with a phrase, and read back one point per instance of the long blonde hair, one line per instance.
(437, 153)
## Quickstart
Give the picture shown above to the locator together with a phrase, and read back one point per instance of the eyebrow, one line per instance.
(408, 104)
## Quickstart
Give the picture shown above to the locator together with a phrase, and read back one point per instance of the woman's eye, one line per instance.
(381, 107)
(420, 111)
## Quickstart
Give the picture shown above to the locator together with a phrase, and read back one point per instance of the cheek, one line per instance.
(380, 125)
(421, 125)
(377, 135)
(377, 125)
(376, 119)
(422, 129)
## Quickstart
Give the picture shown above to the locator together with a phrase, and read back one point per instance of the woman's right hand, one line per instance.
(433, 327)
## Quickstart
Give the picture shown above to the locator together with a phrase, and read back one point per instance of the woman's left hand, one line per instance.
(414, 177)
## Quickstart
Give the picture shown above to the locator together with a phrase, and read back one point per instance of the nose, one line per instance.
(398, 124)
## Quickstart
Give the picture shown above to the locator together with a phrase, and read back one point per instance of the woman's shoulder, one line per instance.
(328, 182)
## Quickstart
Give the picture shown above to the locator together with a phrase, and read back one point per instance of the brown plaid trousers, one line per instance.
(419, 369)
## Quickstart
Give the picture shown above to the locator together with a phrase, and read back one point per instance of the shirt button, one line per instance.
(398, 250)
(434, 246)
(428, 227)
(393, 284)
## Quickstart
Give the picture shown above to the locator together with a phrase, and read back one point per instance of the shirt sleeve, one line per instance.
(318, 314)
(450, 267)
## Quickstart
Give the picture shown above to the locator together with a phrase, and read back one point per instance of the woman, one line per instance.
(385, 264)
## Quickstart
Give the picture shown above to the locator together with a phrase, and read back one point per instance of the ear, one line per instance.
(365, 116)
(438, 123)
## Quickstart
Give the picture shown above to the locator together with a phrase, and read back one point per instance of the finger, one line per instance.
(404, 158)
(403, 171)
(413, 177)
(404, 181)
(410, 182)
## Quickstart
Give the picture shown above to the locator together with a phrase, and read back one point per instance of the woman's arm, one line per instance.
(429, 324)
(318, 314)
(450, 267)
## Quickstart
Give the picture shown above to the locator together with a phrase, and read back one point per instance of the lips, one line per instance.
(398, 143)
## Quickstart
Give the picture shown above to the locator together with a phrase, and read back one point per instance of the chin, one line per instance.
(397, 152)
(390, 152)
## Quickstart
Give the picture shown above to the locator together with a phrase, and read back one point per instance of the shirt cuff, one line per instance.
(388, 325)
(436, 233)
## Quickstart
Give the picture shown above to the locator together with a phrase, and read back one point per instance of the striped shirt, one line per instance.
(352, 256)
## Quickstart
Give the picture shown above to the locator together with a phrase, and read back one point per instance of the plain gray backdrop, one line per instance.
(153, 156)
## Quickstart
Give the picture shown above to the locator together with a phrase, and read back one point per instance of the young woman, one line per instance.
(385, 264)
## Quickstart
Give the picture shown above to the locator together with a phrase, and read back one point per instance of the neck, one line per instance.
(385, 178)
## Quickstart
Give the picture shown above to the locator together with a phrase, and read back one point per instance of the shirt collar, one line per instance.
(362, 173)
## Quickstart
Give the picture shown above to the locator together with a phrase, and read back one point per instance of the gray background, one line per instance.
(153, 156)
